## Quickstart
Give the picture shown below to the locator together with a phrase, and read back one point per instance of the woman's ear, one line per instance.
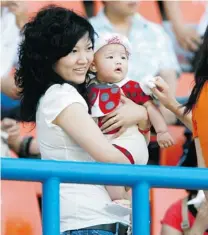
(93, 67)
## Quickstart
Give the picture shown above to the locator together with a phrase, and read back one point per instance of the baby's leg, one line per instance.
(117, 192)
(125, 152)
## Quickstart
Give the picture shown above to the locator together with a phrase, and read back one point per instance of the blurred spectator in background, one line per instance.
(13, 17)
(152, 52)
(9, 133)
(24, 147)
(186, 38)
(183, 219)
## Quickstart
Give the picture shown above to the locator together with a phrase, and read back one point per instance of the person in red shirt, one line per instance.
(181, 219)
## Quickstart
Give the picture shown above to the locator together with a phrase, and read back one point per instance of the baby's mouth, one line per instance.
(119, 70)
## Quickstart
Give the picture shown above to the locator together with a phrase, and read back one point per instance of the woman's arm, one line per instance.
(201, 222)
(178, 110)
(34, 147)
(8, 87)
(168, 230)
(173, 12)
(195, 230)
(78, 124)
(19, 9)
(165, 96)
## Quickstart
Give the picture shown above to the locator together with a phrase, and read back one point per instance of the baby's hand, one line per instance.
(164, 139)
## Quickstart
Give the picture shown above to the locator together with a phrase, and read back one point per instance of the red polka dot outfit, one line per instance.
(105, 98)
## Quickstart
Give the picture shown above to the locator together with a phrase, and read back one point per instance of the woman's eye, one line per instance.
(74, 51)
(110, 57)
(90, 48)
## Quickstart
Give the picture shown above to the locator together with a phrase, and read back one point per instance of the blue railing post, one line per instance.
(51, 207)
(141, 211)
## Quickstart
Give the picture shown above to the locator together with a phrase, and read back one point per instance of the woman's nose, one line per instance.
(83, 58)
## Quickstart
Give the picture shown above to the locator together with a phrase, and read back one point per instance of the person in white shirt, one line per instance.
(55, 56)
(13, 17)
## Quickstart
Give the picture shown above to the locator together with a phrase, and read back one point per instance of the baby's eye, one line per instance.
(110, 57)
(123, 57)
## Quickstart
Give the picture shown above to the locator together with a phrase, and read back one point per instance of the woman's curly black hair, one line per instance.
(50, 35)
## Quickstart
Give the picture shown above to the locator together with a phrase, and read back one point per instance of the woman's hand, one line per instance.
(165, 96)
(163, 92)
(127, 115)
(12, 128)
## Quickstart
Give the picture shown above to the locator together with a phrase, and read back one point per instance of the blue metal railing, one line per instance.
(140, 178)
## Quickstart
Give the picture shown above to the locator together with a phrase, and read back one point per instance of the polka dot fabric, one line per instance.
(133, 91)
(104, 98)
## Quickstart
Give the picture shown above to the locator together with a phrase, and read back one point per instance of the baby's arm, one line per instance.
(164, 139)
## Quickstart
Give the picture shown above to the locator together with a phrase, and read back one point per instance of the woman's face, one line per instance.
(75, 65)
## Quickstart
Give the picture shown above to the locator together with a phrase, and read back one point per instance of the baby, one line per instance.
(110, 67)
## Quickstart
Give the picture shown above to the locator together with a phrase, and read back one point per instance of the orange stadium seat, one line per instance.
(34, 6)
(27, 129)
(161, 199)
(97, 5)
(148, 9)
(76, 6)
(185, 84)
(192, 11)
(20, 209)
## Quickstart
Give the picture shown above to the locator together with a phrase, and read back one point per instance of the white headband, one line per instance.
(112, 38)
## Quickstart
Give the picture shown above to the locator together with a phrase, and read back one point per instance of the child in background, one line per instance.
(110, 67)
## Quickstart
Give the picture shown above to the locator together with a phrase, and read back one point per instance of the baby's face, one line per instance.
(111, 63)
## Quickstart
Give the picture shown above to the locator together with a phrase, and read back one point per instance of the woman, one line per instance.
(183, 219)
(195, 113)
(55, 56)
